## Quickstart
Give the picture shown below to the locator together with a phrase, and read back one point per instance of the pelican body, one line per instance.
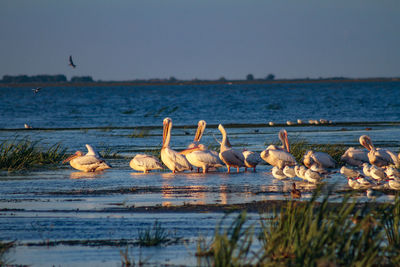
(378, 156)
(230, 156)
(145, 163)
(355, 157)
(279, 156)
(172, 159)
(251, 159)
(91, 162)
(321, 159)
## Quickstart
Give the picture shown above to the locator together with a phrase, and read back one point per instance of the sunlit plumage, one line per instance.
(320, 159)
(231, 157)
(172, 159)
(279, 156)
(90, 162)
(355, 157)
(145, 163)
(378, 156)
(251, 159)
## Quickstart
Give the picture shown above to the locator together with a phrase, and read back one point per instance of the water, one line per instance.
(61, 204)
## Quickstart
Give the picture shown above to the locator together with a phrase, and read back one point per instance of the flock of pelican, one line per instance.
(376, 165)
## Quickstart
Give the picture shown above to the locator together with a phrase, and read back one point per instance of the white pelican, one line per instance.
(299, 121)
(378, 156)
(172, 159)
(289, 172)
(91, 162)
(279, 157)
(145, 163)
(201, 126)
(27, 126)
(278, 173)
(355, 157)
(200, 157)
(251, 159)
(321, 159)
(230, 156)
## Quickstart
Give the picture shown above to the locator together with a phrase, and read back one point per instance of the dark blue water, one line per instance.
(67, 107)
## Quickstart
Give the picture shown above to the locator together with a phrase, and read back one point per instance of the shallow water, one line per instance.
(61, 204)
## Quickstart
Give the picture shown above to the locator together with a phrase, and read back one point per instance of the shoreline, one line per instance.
(205, 82)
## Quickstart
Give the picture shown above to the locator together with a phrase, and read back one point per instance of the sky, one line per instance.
(204, 39)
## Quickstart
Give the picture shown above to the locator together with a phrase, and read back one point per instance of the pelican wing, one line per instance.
(232, 157)
(355, 157)
(251, 158)
(323, 159)
(279, 158)
(380, 157)
(203, 157)
(174, 161)
(146, 162)
(87, 160)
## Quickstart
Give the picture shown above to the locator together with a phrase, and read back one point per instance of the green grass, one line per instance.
(153, 236)
(310, 234)
(22, 155)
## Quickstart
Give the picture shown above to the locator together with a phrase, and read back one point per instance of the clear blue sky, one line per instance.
(205, 39)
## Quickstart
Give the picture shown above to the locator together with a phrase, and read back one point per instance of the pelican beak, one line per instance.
(71, 157)
(189, 150)
(287, 142)
(165, 131)
(200, 130)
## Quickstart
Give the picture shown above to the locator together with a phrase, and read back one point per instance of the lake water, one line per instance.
(61, 204)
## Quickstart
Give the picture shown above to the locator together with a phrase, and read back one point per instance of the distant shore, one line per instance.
(193, 82)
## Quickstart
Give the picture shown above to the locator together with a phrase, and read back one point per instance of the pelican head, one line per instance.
(167, 125)
(283, 136)
(366, 142)
(77, 154)
(201, 126)
(225, 140)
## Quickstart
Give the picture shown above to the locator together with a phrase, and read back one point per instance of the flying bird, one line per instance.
(71, 63)
(36, 90)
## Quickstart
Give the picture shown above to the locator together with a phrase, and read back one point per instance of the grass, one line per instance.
(127, 260)
(310, 234)
(153, 236)
(24, 154)
(299, 147)
(4, 247)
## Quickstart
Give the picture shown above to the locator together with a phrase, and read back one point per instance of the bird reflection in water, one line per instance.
(85, 175)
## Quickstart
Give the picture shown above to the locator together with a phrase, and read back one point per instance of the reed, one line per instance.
(310, 234)
(299, 147)
(4, 247)
(153, 236)
(24, 154)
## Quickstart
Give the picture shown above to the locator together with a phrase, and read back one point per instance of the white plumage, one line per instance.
(251, 159)
(172, 159)
(145, 163)
(321, 159)
(279, 157)
(230, 156)
(378, 156)
(355, 157)
(278, 173)
(91, 162)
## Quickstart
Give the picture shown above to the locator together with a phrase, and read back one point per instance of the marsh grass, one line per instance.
(127, 260)
(22, 155)
(299, 147)
(4, 247)
(153, 236)
(310, 234)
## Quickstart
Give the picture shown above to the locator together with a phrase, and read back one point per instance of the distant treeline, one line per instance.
(43, 79)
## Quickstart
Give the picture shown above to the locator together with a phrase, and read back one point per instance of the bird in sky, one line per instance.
(36, 90)
(71, 63)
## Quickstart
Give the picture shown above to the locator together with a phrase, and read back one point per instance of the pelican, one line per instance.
(279, 157)
(299, 121)
(145, 163)
(278, 173)
(71, 63)
(251, 159)
(355, 157)
(172, 159)
(201, 126)
(27, 126)
(200, 157)
(378, 156)
(230, 156)
(321, 159)
(91, 162)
